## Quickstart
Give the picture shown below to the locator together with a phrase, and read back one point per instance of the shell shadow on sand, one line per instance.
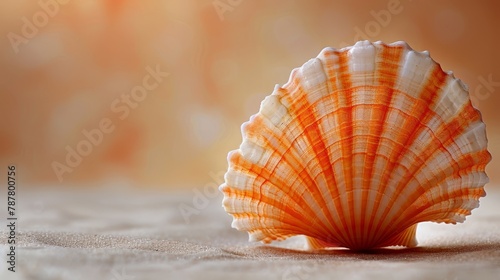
(450, 252)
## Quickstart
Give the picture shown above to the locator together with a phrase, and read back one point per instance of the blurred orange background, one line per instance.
(74, 68)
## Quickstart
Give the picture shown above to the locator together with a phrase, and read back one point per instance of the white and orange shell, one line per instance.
(358, 147)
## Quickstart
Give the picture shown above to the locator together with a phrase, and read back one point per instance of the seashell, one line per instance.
(357, 148)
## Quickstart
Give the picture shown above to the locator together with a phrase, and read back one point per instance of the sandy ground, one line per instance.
(117, 234)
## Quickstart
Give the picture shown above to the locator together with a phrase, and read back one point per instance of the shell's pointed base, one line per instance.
(406, 238)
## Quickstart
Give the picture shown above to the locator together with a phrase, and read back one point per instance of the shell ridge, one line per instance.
(440, 188)
(339, 207)
(363, 58)
(474, 168)
(326, 60)
(333, 69)
(277, 181)
(438, 145)
(246, 133)
(273, 228)
(300, 105)
(329, 57)
(397, 44)
(382, 67)
(427, 92)
(346, 133)
(295, 83)
(406, 238)
(317, 244)
(453, 214)
(295, 219)
(421, 210)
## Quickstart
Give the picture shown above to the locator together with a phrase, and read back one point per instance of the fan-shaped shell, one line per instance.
(360, 145)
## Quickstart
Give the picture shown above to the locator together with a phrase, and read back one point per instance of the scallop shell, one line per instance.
(358, 147)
